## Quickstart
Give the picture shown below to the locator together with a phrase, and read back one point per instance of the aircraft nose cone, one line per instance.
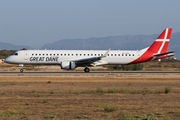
(6, 60)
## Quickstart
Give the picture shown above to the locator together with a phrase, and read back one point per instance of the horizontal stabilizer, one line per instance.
(162, 54)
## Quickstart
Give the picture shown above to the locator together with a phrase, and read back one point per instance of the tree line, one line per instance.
(5, 53)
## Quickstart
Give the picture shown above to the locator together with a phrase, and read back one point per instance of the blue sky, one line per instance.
(37, 22)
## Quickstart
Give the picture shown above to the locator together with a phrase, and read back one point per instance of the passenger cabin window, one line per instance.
(118, 54)
(72, 54)
(84, 54)
(88, 54)
(114, 54)
(108, 54)
(64, 54)
(57, 54)
(133, 54)
(54, 54)
(91, 54)
(68, 54)
(36, 54)
(43, 54)
(129, 54)
(39, 54)
(111, 54)
(32, 54)
(76, 54)
(47, 54)
(50, 54)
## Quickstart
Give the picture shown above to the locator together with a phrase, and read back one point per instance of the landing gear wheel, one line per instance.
(21, 70)
(86, 69)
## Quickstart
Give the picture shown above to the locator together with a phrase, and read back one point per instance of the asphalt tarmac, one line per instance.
(91, 73)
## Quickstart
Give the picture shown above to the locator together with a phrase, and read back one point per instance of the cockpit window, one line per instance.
(15, 54)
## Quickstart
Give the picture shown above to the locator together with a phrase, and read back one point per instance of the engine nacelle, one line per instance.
(68, 65)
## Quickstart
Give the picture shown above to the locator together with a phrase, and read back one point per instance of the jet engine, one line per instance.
(68, 65)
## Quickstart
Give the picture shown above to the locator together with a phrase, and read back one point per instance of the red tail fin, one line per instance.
(161, 43)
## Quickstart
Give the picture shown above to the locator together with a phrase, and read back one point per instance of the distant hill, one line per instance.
(113, 42)
(8, 46)
(125, 42)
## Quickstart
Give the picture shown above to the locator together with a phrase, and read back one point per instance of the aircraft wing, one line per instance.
(89, 61)
(162, 54)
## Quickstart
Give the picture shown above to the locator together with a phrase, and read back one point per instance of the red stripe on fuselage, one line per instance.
(143, 58)
(148, 55)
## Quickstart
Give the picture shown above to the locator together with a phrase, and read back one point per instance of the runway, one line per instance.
(91, 73)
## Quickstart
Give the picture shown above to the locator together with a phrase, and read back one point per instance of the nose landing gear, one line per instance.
(21, 70)
(86, 69)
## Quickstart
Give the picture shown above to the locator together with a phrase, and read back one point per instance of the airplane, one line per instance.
(71, 59)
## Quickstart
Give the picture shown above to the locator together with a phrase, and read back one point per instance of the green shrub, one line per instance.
(51, 116)
(33, 91)
(45, 100)
(110, 108)
(100, 90)
(158, 113)
(27, 103)
(9, 115)
(167, 90)
(77, 93)
(125, 117)
(84, 116)
(122, 90)
(113, 90)
(51, 92)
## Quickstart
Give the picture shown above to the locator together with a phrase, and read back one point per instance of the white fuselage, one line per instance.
(52, 57)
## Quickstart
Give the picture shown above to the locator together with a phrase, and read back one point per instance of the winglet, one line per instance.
(105, 53)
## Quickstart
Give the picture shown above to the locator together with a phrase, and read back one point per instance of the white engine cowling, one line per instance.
(68, 65)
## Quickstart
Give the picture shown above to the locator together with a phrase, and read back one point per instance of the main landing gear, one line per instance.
(21, 70)
(86, 69)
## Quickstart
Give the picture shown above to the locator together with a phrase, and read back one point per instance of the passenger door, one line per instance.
(26, 54)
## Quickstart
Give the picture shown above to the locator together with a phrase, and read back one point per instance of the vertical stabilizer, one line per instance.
(160, 45)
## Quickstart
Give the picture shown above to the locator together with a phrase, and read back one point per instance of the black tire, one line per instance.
(86, 70)
(21, 70)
